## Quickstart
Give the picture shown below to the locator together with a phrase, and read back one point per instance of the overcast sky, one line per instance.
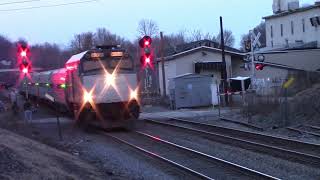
(59, 24)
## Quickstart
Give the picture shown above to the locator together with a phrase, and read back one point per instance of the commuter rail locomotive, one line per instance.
(96, 86)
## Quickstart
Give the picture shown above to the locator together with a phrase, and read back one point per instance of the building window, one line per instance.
(281, 30)
(271, 29)
(292, 28)
(303, 25)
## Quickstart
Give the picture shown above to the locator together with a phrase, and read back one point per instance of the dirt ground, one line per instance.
(22, 158)
(101, 157)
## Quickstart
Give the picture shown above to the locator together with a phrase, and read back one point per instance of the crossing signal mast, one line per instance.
(146, 58)
(24, 64)
(23, 59)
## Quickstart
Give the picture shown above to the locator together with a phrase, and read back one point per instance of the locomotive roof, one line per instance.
(76, 58)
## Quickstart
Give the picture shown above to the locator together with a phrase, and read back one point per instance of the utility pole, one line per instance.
(162, 66)
(224, 75)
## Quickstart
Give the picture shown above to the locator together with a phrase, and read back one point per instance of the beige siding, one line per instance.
(311, 33)
(270, 72)
(170, 72)
(301, 59)
(185, 64)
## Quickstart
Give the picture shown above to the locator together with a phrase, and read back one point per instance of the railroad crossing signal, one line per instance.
(248, 45)
(254, 43)
(23, 58)
(146, 55)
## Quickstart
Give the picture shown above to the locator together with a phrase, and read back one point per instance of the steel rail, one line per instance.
(230, 165)
(173, 163)
(281, 152)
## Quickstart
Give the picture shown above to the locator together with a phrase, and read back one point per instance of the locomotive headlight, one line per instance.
(87, 97)
(133, 95)
(110, 79)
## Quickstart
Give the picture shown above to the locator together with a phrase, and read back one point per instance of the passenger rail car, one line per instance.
(98, 85)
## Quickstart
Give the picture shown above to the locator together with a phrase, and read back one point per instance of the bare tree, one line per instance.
(82, 42)
(148, 27)
(88, 40)
(209, 36)
(176, 39)
(47, 56)
(105, 37)
(244, 39)
(5, 47)
(101, 36)
(76, 44)
(196, 35)
(229, 39)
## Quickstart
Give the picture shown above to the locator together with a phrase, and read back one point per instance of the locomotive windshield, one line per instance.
(97, 61)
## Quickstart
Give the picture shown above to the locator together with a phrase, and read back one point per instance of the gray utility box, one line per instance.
(190, 90)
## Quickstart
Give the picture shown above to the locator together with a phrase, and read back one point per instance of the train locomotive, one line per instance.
(97, 86)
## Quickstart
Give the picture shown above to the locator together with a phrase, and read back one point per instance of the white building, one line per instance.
(292, 25)
(200, 57)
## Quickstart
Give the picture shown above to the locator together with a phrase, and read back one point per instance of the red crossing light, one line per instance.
(23, 54)
(146, 52)
(25, 70)
(23, 51)
(148, 60)
(145, 42)
(260, 67)
(25, 67)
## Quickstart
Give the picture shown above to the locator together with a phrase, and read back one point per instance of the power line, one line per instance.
(18, 2)
(48, 6)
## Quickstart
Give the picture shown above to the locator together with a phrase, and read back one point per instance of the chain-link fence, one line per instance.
(276, 102)
(153, 98)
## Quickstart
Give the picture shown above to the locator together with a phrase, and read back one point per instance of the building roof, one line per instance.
(285, 13)
(192, 45)
(191, 75)
(188, 48)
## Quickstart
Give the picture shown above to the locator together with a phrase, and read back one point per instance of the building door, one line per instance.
(214, 94)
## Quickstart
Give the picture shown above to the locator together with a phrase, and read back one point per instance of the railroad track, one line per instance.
(306, 129)
(193, 162)
(296, 151)
(301, 131)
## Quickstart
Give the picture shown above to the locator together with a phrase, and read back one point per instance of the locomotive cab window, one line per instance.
(96, 62)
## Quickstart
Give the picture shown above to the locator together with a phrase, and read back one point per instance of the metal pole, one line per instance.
(218, 94)
(224, 75)
(252, 55)
(162, 65)
(59, 127)
(27, 93)
(58, 123)
(286, 107)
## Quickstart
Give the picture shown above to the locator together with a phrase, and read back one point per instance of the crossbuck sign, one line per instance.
(256, 41)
